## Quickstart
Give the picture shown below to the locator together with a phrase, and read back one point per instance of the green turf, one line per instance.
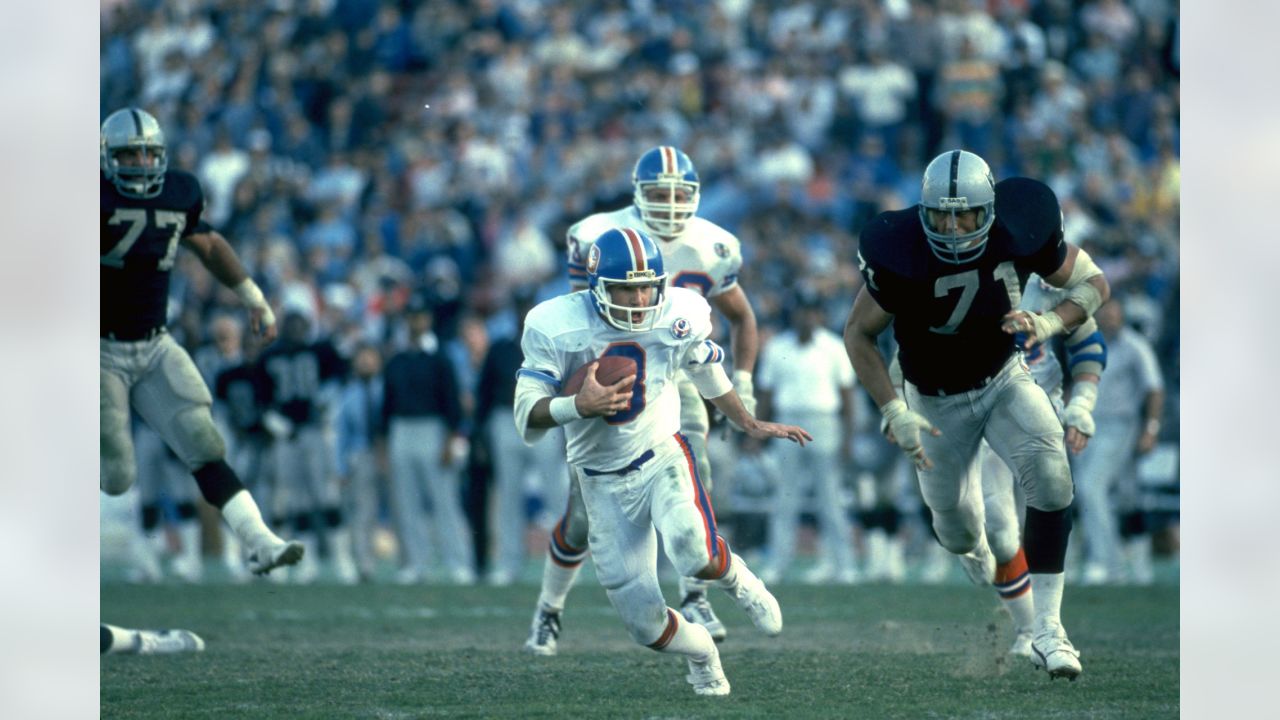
(277, 651)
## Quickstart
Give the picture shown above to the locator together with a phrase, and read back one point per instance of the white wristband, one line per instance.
(251, 297)
(564, 410)
(1084, 395)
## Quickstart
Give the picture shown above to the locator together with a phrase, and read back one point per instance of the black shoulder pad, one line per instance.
(895, 241)
(1029, 210)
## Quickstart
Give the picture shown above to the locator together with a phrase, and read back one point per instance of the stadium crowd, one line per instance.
(371, 159)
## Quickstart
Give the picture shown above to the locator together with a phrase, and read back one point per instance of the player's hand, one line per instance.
(761, 430)
(1077, 416)
(596, 400)
(263, 323)
(904, 426)
(1037, 326)
(1076, 440)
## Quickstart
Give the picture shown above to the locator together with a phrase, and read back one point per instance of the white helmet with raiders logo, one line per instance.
(956, 182)
(133, 153)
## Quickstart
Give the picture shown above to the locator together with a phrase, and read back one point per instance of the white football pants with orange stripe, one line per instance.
(627, 511)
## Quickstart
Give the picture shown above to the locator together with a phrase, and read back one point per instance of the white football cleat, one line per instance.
(1052, 651)
(544, 633)
(157, 642)
(707, 677)
(1022, 646)
(756, 600)
(697, 609)
(269, 556)
(979, 564)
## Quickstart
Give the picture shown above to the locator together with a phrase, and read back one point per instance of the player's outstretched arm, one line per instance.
(731, 405)
(217, 255)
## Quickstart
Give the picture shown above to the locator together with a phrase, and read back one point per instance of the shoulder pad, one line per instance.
(895, 241)
(1029, 210)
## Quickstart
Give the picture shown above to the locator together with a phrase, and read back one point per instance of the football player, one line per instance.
(147, 211)
(1086, 357)
(636, 473)
(301, 378)
(699, 256)
(949, 276)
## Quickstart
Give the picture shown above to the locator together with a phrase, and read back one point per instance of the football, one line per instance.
(611, 369)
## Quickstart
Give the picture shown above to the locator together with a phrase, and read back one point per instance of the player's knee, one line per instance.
(117, 476)
(957, 537)
(576, 527)
(1004, 542)
(200, 443)
(1050, 485)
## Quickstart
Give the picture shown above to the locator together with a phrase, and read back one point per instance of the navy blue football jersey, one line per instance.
(139, 241)
(242, 389)
(947, 317)
(293, 376)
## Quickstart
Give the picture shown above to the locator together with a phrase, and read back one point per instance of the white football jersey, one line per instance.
(564, 333)
(705, 258)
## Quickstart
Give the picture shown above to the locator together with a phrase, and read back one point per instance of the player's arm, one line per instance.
(216, 254)
(547, 411)
(702, 363)
(1086, 359)
(866, 321)
(1087, 289)
(744, 340)
(576, 258)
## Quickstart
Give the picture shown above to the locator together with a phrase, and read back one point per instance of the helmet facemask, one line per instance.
(667, 204)
(624, 317)
(955, 183)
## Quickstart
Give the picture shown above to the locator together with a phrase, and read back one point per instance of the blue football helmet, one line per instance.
(628, 257)
(666, 190)
(956, 181)
(136, 131)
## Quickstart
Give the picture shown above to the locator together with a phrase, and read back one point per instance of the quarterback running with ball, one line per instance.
(637, 475)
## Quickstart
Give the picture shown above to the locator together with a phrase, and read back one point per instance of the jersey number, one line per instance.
(296, 377)
(137, 220)
(968, 283)
(693, 280)
(636, 406)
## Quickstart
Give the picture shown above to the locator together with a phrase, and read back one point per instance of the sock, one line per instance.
(684, 638)
(218, 482)
(1047, 597)
(117, 641)
(1013, 585)
(720, 566)
(557, 580)
(1045, 539)
(245, 520)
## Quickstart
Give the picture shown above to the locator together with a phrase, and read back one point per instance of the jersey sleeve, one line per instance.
(1032, 214)
(881, 283)
(541, 360)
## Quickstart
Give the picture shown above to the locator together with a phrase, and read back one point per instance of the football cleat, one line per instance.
(755, 600)
(544, 633)
(707, 677)
(1022, 646)
(697, 609)
(158, 642)
(1052, 651)
(979, 564)
(270, 556)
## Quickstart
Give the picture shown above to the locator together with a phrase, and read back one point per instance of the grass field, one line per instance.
(869, 651)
